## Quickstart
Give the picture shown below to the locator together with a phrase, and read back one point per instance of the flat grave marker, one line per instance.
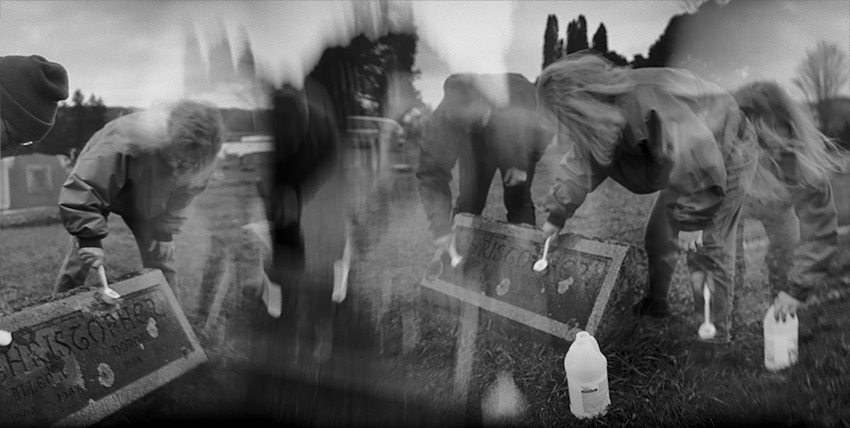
(78, 359)
(589, 284)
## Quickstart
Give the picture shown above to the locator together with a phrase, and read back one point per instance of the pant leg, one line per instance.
(782, 230)
(73, 272)
(151, 259)
(518, 200)
(476, 171)
(815, 208)
(661, 244)
(716, 258)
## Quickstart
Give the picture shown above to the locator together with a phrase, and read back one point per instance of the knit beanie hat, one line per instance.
(30, 90)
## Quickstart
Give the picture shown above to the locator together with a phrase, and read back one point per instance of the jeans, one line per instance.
(803, 237)
(477, 166)
(716, 257)
(74, 272)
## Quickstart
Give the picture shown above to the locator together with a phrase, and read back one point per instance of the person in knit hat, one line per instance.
(30, 90)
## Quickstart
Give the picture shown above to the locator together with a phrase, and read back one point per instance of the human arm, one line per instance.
(575, 179)
(86, 195)
(438, 154)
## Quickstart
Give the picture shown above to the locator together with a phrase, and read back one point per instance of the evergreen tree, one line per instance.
(245, 68)
(582, 33)
(551, 51)
(616, 58)
(95, 116)
(600, 39)
(79, 117)
(577, 35)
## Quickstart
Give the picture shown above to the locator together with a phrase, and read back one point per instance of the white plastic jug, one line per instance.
(587, 377)
(780, 341)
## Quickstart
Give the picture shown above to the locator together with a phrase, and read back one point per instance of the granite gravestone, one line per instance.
(589, 284)
(76, 359)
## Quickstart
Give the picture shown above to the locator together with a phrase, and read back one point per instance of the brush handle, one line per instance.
(101, 272)
(546, 248)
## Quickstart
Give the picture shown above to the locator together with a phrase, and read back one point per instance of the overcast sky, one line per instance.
(130, 52)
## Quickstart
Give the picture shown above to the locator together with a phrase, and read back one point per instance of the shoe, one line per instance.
(272, 297)
(341, 269)
(652, 307)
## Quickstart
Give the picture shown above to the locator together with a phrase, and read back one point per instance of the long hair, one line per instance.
(579, 93)
(783, 127)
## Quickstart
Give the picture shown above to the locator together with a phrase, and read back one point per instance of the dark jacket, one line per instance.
(306, 162)
(512, 135)
(119, 171)
(678, 130)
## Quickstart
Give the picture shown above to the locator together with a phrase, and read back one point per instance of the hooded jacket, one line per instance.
(120, 171)
(307, 164)
(679, 131)
(512, 135)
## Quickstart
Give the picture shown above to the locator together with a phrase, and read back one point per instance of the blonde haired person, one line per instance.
(792, 196)
(656, 130)
(146, 167)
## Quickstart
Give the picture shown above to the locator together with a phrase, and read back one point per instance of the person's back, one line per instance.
(713, 105)
(484, 123)
(307, 206)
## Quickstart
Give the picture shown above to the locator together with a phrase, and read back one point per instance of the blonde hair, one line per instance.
(580, 90)
(783, 126)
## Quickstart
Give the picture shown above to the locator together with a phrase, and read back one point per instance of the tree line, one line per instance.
(821, 75)
(366, 77)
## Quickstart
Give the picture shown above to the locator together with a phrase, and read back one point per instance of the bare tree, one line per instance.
(823, 72)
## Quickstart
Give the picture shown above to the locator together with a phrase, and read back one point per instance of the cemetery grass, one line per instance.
(654, 378)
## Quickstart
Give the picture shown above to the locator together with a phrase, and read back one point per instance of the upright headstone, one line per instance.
(589, 284)
(75, 359)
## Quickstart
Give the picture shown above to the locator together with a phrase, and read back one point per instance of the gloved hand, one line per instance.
(92, 256)
(690, 241)
(784, 305)
(514, 177)
(163, 250)
(550, 230)
(442, 243)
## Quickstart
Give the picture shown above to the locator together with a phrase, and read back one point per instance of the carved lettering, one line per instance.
(12, 361)
(111, 321)
(20, 416)
(80, 342)
(100, 335)
(32, 386)
(125, 319)
(133, 362)
(70, 392)
(60, 341)
(151, 306)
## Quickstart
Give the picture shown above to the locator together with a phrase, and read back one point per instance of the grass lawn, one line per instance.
(653, 377)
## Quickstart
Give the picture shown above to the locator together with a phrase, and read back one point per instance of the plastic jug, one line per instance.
(587, 377)
(780, 341)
